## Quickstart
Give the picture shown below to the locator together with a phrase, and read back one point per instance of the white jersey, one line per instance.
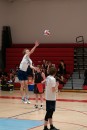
(50, 82)
(26, 61)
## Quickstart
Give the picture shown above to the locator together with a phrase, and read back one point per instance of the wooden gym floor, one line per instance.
(71, 112)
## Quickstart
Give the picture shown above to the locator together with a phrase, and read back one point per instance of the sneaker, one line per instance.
(41, 106)
(24, 101)
(54, 128)
(36, 106)
(28, 102)
(46, 129)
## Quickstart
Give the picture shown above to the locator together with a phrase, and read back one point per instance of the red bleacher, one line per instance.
(14, 56)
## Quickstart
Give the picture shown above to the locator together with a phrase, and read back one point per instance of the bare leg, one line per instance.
(45, 123)
(22, 88)
(36, 99)
(26, 89)
(50, 121)
(41, 98)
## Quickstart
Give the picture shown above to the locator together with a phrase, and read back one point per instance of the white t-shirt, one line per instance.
(26, 61)
(50, 82)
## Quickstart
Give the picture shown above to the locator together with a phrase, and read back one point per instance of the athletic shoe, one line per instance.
(46, 129)
(28, 102)
(54, 128)
(24, 101)
(36, 106)
(41, 106)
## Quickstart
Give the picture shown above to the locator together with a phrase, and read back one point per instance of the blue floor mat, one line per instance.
(17, 124)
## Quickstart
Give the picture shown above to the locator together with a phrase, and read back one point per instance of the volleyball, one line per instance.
(46, 32)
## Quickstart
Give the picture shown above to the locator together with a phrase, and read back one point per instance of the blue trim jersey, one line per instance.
(26, 61)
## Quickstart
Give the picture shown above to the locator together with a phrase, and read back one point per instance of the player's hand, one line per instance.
(35, 68)
(36, 43)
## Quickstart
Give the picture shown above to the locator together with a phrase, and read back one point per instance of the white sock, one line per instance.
(42, 104)
(23, 97)
(27, 97)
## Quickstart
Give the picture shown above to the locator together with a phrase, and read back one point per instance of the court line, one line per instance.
(35, 127)
(85, 126)
(61, 100)
(73, 110)
(23, 113)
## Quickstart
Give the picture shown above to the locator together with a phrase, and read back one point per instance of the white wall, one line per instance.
(66, 19)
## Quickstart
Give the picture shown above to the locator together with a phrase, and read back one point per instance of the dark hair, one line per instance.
(52, 71)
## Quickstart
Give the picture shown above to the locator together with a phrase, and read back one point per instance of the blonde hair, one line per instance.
(24, 51)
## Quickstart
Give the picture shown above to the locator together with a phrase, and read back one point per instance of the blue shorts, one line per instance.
(22, 75)
(29, 71)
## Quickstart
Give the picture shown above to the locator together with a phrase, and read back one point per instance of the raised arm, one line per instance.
(33, 49)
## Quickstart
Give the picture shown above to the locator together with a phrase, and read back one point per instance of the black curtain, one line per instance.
(6, 43)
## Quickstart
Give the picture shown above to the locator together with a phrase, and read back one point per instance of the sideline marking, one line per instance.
(62, 100)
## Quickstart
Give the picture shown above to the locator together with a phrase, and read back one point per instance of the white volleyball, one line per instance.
(46, 32)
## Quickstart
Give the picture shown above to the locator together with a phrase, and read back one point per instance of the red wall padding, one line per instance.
(55, 54)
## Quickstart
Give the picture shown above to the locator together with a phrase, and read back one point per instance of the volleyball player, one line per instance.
(22, 73)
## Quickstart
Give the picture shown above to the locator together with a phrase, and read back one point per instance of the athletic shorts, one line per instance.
(22, 75)
(50, 105)
(29, 72)
(36, 91)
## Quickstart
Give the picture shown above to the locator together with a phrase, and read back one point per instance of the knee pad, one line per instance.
(48, 115)
(51, 114)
